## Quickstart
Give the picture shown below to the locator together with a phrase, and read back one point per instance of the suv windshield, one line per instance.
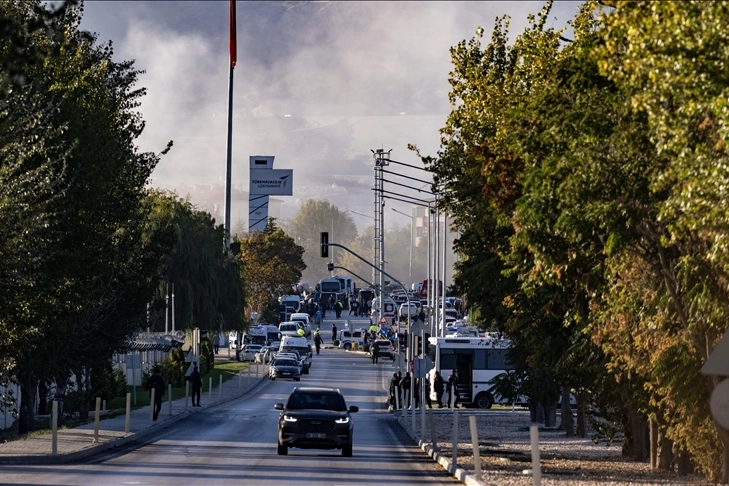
(316, 401)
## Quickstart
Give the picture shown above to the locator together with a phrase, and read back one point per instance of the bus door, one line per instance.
(464, 365)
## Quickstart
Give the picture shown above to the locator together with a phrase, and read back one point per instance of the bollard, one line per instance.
(187, 393)
(151, 405)
(422, 410)
(97, 413)
(103, 406)
(169, 397)
(249, 375)
(536, 468)
(220, 388)
(54, 428)
(210, 390)
(128, 413)
(240, 377)
(256, 371)
(411, 399)
(433, 438)
(474, 444)
(455, 437)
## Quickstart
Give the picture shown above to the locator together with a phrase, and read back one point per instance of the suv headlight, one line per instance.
(289, 418)
(343, 420)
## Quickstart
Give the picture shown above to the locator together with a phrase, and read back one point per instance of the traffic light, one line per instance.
(324, 244)
(330, 267)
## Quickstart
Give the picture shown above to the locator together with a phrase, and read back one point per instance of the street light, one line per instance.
(412, 224)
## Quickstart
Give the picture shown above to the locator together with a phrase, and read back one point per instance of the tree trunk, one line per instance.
(724, 438)
(567, 422)
(665, 458)
(653, 426)
(581, 416)
(685, 465)
(550, 413)
(639, 428)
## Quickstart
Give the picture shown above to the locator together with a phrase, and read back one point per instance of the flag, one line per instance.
(233, 41)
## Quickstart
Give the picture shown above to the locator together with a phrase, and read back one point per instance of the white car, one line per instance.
(248, 353)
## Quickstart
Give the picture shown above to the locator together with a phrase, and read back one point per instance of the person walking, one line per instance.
(394, 385)
(317, 340)
(156, 383)
(196, 384)
(405, 384)
(317, 318)
(453, 395)
(216, 343)
(375, 353)
(438, 388)
(334, 333)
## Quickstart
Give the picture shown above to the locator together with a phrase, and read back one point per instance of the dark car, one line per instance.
(383, 348)
(285, 367)
(315, 418)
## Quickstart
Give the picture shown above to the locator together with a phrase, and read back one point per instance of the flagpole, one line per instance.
(229, 163)
(229, 158)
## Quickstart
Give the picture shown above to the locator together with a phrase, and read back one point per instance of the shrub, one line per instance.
(335, 342)
(366, 348)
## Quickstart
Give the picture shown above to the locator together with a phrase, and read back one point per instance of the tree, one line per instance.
(272, 264)
(314, 217)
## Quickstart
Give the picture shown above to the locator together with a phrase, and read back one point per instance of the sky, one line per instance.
(319, 85)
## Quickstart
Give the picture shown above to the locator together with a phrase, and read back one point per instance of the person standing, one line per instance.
(438, 388)
(428, 401)
(334, 333)
(196, 384)
(216, 343)
(405, 384)
(394, 385)
(317, 340)
(375, 353)
(453, 395)
(156, 383)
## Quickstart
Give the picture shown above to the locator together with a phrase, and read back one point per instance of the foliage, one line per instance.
(174, 367)
(271, 265)
(314, 217)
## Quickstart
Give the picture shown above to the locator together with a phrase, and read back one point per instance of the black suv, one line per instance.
(315, 418)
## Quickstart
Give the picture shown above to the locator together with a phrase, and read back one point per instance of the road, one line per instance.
(235, 443)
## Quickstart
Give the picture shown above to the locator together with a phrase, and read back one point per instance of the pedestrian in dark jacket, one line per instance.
(405, 384)
(394, 386)
(438, 388)
(453, 395)
(156, 383)
(196, 384)
(334, 332)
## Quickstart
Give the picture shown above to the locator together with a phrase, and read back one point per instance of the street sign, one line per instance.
(719, 404)
(189, 370)
(383, 321)
(190, 358)
(718, 362)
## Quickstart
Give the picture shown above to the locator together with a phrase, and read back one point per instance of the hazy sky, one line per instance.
(317, 84)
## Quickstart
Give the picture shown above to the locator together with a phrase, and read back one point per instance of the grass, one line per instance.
(226, 369)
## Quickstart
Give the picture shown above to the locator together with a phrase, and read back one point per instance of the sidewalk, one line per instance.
(77, 443)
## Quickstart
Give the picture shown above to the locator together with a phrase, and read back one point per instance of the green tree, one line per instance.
(272, 264)
(314, 217)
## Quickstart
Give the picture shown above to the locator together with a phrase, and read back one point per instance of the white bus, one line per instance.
(477, 359)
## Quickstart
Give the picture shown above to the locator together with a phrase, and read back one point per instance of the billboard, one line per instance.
(272, 182)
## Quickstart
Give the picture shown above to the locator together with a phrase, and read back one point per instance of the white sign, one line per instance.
(719, 404)
(718, 362)
(272, 182)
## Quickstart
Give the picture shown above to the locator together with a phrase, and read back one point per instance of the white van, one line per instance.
(301, 346)
(303, 318)
(288, 328)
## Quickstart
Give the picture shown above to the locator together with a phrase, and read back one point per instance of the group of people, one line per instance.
(400, 388)
(157, 383)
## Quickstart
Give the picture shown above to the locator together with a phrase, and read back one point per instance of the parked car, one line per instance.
(315, 418)
(266, 354)
(285, 367)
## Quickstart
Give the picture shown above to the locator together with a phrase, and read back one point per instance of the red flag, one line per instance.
(233, 41)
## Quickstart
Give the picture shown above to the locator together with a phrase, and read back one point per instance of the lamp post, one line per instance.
(412, 224)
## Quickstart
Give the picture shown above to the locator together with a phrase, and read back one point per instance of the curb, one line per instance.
(49, 459)
(457, 472)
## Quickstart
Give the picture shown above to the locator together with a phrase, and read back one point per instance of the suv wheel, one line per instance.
(348, 346)
(347, 450)
(282, 450)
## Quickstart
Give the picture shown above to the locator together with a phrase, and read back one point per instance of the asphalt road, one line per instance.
(235, 443)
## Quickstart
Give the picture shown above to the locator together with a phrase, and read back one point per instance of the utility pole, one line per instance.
(381, 158)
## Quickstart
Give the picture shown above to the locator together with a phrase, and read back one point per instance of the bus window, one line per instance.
(479, 359)
(431, 352)
(497, 359)
(447, 359)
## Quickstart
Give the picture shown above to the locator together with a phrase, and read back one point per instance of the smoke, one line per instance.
(317, 84)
